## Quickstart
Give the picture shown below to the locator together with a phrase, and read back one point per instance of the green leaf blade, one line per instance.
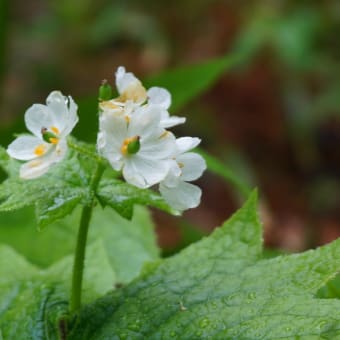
(32, 301)
(122, 197)
(221, 288)
(188, 82)
(57, 206)
(54, 194)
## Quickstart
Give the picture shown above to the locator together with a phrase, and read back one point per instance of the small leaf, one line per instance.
(122, 197)
(129, 244)
(54, 195)
(53, 208)
(222, 288)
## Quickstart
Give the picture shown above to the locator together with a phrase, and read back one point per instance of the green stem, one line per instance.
(79, 257)
(84, 151)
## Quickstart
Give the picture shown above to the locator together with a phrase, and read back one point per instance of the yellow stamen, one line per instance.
(127, 118)
(181, 165)
(55, 130)
(123, 149)
(54, 140)
(40, 150)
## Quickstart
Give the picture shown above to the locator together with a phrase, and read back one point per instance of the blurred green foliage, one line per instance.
(285, 55)
(3, 41)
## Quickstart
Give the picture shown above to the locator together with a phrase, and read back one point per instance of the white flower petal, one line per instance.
(158, 147)
(192, 166)
(38, 167)
(182, 197)
(59, 115)
(101, 140)
(159, 96)
(173, 178)
(56, 102)
(144, 173)
(185, 144)
(129, 87)
(71, 118)
(111, 106)
(115, 127)
(24, 148)
(115, 160)
(170, 121)
(35, 168)
(109, 148)
(60, 150)
(123, 79)
(37, 117)
(145, 122)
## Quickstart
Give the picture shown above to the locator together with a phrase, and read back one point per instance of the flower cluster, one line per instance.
(133, 137)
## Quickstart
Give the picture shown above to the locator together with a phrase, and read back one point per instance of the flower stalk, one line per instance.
(79, 257)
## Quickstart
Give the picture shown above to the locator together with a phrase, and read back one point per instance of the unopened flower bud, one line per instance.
(133, 146)
(105, 91)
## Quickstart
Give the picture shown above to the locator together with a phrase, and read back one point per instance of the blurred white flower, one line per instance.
(50, 125)
(186, 167)
(132, 94)
(136, 144)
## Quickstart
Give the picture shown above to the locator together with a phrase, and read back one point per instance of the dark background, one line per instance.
(272, 118)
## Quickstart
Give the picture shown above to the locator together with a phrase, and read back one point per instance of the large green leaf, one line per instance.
(222, 288)
(32, 301)
(99, 277)
(128, 243)
(29, 305)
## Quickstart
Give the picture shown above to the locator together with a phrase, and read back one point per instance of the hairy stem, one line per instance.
(75, 146)
(79, 257)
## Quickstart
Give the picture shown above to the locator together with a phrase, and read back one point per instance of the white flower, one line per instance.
(187, 166)
(50, 125)
(137, 145)
(132, 94)
(129, 87)
(162, 98)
